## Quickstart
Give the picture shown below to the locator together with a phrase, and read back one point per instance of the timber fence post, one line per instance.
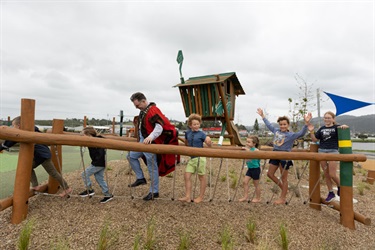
(314, 181)
(57, 128)
(346, 180)
(24, 166)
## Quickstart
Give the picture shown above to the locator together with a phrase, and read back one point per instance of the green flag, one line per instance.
(180, 59)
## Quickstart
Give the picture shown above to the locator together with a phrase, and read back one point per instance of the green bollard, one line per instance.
(346, 180)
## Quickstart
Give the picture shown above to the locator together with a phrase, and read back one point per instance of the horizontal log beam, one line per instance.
(8, 202)
(357, 216)
(8, 133)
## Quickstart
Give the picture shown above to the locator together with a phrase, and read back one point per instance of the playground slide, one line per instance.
(237, 138)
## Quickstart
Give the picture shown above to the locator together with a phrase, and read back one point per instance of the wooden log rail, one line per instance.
(117, 143)
(358, 217)
(12, 134)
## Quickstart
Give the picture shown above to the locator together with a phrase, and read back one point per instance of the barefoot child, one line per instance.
(253, 171)
(96, 168)
(195, 138)
(282, 141)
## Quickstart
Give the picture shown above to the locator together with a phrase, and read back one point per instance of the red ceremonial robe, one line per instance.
(148, 119)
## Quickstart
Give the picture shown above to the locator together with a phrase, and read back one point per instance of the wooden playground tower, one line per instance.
(213, 97)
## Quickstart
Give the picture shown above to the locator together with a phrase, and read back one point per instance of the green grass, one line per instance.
(24, 237)
(226, 238)
(107, 238)
(8, 161)
(71, 161)
(185, 240)
(251, 231)
(284, 239)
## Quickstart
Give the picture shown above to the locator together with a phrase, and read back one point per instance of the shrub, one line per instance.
(251, 231)
(24, 238)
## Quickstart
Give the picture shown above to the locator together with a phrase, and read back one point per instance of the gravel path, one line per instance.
(76, 223)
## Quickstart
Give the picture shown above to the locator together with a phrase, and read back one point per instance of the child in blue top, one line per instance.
(195, 138)
(282, 141)
(253, 171)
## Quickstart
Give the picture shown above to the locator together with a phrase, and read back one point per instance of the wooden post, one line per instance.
(226, 112)
(84, 122)
(24, 166)
(346, 181)
(314, 181)
(113, 126)
(57, 128)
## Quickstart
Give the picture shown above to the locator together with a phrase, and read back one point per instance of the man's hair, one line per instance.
(17, 120)
(138, 96)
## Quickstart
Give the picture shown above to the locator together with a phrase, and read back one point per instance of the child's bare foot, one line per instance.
(198, 200)
(279, 201)
(37, 188)
(243, 199)
(66, 192)
(255, 200)
(185, 199)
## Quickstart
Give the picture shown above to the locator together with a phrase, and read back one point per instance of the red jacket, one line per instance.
(148, 118)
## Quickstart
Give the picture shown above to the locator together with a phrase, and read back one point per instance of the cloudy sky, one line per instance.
(78, 58)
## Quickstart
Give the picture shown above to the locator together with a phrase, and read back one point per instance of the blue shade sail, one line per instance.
(344, 104)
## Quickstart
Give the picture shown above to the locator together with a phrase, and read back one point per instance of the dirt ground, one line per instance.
(76, 223)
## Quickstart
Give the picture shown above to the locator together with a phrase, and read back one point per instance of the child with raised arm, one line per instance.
(96, 168)
(253, 170)
(195, 138)
(282, 141)
(42, 156)
(327, 136)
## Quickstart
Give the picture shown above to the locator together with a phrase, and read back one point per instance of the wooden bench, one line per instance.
(369, 165)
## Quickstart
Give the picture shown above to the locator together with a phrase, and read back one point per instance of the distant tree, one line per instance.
(299, 107)
(256, 126)
(240, 127)
(362, 136)
(179, 125)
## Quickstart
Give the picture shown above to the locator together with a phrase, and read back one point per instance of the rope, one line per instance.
(210, 178)
(260, 179)
(106, 170)
(239, 180)
(228, 180)
(321, 204)
(131, 188)
(313, 190)
(196, 177)
(152, 175)
(60, 170)
(278, 182)
(174, 177)
(299, 180)
(84, 171)
(217, 178)
(117, 174)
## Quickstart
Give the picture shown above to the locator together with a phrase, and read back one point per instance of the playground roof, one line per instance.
(211, 79)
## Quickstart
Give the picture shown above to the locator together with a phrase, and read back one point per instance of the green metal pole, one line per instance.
(346, 180)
